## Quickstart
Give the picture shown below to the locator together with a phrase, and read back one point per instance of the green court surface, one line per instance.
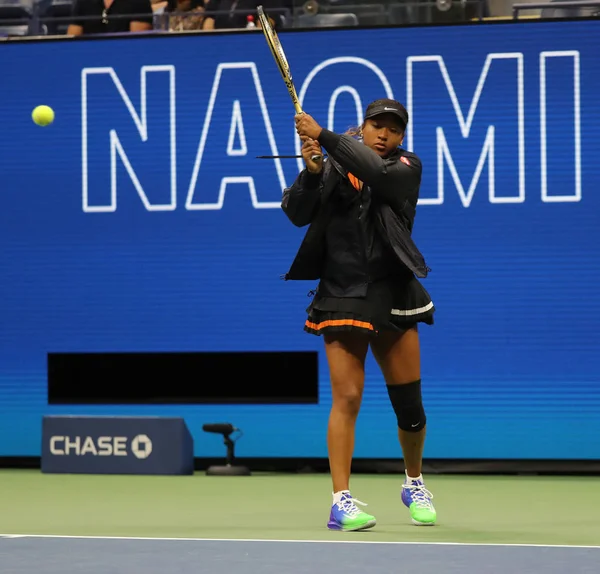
(497, 510)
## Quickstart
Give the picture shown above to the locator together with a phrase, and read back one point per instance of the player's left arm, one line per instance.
(392, 180)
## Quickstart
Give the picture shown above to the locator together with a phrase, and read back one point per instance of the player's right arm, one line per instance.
(301, 199)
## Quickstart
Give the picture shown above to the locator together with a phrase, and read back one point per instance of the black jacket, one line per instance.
(394, 184)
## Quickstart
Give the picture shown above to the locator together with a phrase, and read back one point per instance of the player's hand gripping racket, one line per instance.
(281, 61)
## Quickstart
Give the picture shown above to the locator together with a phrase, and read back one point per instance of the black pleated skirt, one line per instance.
(392, 304)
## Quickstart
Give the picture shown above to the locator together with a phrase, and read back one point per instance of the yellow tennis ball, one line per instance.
(43, 115)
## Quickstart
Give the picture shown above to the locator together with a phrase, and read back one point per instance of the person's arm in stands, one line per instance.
(210, 7)
(76, 27)
(143, 19)
(269, 6)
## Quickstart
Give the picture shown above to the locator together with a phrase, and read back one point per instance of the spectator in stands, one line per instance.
(185, 14)
(110, 16)
(222, 14)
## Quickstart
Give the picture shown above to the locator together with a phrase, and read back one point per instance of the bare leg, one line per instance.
(400, 361)
(346, 353)
(399, 357)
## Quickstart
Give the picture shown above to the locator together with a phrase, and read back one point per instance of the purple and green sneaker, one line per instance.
(345, 515)
(418, 500)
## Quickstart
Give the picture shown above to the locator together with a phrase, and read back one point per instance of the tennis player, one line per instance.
(360, 206)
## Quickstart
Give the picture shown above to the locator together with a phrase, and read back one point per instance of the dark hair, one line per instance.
(353, 131)
(172, 5)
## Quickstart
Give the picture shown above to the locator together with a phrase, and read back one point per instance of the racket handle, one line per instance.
(316, 157)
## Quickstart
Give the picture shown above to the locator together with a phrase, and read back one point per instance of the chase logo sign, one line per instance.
(140, 446)
(116, 445)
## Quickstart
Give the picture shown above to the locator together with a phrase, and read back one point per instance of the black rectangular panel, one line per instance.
(183, 378)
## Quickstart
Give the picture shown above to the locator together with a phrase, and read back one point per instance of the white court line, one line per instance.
(269, 540)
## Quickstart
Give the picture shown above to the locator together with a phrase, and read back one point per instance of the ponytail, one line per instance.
(354, 131)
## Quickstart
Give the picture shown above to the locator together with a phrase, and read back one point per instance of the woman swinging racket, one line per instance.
(360, 206)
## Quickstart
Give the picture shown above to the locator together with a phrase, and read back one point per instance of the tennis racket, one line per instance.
(281, 61)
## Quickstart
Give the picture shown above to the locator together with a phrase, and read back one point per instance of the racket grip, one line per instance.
(316, 157)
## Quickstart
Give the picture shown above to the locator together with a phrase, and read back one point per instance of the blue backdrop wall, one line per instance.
(141, 221)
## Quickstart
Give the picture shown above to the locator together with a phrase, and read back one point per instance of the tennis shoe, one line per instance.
(345, 515)
(418, 501)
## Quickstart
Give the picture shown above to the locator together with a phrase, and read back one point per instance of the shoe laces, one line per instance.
(348, 504)
(419, 495)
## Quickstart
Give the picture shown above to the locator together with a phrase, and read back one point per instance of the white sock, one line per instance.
(337, 496)
(412, 479)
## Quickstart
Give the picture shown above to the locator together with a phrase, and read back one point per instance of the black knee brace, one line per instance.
(408, 406)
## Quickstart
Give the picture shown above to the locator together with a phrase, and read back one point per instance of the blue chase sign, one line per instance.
(116, 445)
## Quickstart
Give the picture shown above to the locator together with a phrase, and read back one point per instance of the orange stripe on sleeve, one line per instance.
(355, 181)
